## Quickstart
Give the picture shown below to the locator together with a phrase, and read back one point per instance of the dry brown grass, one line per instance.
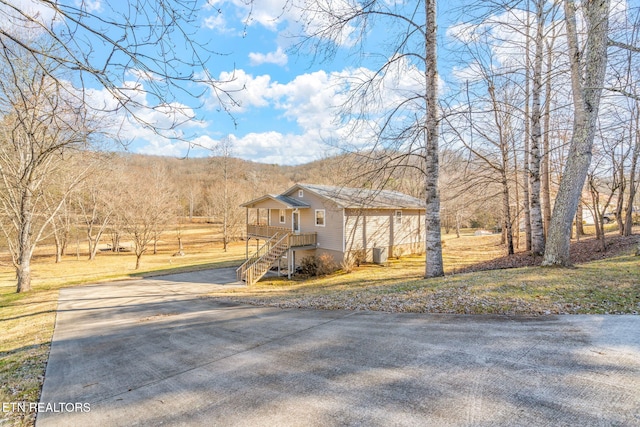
(610, 285)
(26, 320)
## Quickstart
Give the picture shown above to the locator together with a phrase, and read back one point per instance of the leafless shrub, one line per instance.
(318, 265)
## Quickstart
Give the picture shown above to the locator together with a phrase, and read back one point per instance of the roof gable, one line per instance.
(282, 201)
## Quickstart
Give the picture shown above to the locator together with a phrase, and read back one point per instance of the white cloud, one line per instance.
(293, 16)
(168, 125)
(33, 17)
(278, 57)
(308, 100)
(268, 13)
(217, 23)
(91, 6)
(275, 147)
(246, 91)
(205, 142)
(313, 101)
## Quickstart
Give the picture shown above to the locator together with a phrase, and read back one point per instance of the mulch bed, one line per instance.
(585, 250)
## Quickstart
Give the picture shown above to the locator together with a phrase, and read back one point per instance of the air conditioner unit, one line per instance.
(380, 255)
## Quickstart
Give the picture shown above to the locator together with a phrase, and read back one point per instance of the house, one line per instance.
(342, 222)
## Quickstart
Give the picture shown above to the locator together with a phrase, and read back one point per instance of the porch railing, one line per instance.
(295, 240)
(247, 270)
(266, 231)
(304, 239)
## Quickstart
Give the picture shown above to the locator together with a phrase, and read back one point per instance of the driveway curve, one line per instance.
(156, 351)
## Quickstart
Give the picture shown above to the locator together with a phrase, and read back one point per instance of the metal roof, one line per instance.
(287, 202)
(363, 198)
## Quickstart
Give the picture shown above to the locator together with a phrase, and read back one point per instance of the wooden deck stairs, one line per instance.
(259, 263)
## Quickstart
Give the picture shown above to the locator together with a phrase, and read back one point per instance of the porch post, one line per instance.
(246, 223)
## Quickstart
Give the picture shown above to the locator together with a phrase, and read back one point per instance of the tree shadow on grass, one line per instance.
(583, 251)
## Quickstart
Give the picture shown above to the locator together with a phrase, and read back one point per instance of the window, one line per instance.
(398, 217)
(300, 193)
(282, 218)
(320, 217)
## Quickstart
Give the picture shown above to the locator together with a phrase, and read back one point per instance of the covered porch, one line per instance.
(266, 232)
(270, 218)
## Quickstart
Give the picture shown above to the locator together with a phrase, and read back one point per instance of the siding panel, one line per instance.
(369, 228)
(329, 236)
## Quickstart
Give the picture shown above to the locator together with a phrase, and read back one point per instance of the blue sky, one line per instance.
(286, 102)
(286, 108)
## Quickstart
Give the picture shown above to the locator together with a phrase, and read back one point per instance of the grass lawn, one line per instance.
(608, 286)
(26, 320)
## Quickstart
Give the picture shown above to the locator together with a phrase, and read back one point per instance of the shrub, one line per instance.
(359, 257)
(326, 265)
(347, 264)
(398, 252)
(318, 265)
(353, 258)
(309, 265)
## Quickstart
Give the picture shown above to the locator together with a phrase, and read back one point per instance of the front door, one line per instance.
(296, 222)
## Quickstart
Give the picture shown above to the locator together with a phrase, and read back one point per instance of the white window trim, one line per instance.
(300, 194)
(282, 216)
(398, 217)
(324, 218)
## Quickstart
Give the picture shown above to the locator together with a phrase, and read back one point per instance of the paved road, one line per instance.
(152, 352)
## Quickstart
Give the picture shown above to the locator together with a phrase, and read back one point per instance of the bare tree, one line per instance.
(633, 181)
(488, 131)
(588, 69)
(61, 229)
(545, 167)
(224, 147)
(163, 202)
(41, 125)
(599, 206)
(63, 217)
(146, 206)
(115, 42)
(94, 208)
(624, 81)
(226, 193)
(537, 229)
(408, 127)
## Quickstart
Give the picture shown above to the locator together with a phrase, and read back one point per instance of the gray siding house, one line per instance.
(310, 219)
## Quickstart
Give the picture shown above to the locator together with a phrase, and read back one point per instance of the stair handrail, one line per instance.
(260, 267)
(260, 253)
(257, 255)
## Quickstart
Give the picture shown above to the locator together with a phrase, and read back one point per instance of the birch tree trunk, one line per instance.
(434, 266)
(517, 194)
(586, 95)
(579, 219)
(546, 158)
(506, 213)
(527, 136)
(621, 190)
(628, 219)
(537, 231)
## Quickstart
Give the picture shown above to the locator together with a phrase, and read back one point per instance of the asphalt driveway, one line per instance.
(154, 351)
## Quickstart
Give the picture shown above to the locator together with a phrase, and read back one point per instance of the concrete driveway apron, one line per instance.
(155, 351)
